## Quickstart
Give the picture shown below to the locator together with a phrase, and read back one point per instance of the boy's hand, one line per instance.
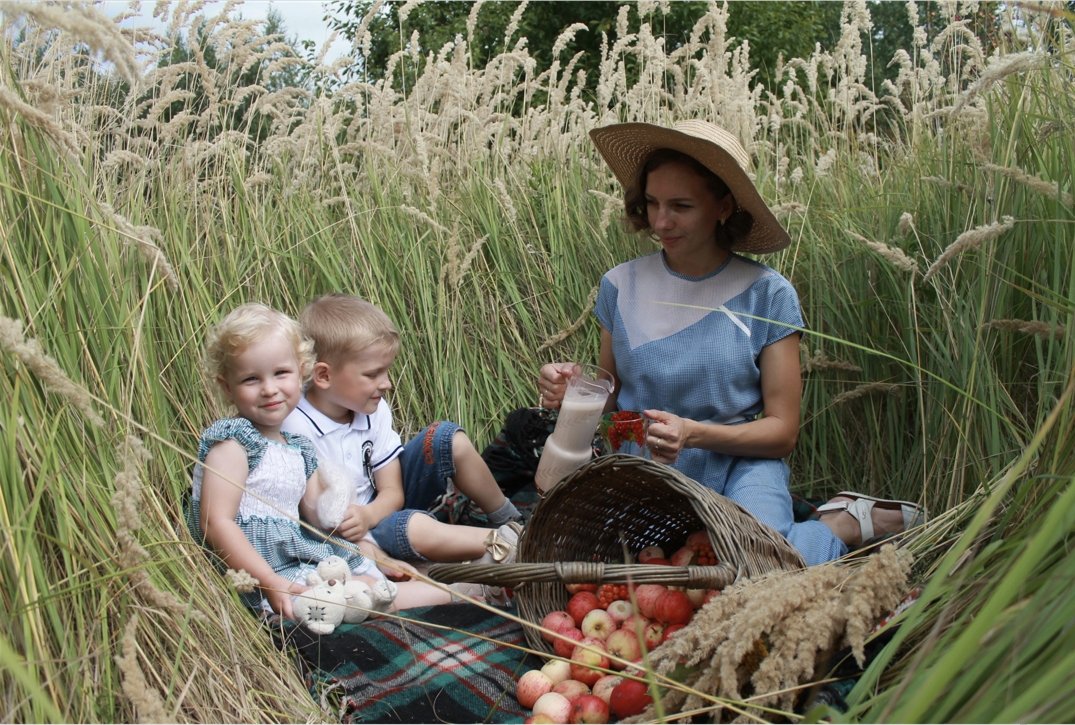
(395, 569)
(354, 525)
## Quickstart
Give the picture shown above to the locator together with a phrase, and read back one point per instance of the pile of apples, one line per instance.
(599, 621)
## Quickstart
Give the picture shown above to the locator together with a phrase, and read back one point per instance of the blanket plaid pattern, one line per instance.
(452, 663)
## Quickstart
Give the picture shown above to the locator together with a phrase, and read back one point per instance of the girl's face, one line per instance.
(684, 215)
(264, 382)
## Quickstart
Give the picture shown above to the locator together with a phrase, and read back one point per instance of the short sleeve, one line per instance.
(240, 430)
(605, 307)
(387, 445)
(783, 308)
(306, 446)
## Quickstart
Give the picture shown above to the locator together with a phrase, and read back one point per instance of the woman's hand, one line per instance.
(666, 436)
(552, 383)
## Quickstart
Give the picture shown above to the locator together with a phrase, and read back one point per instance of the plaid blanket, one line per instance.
(450, 663)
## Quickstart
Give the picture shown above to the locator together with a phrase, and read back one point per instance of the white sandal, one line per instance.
(861, 507)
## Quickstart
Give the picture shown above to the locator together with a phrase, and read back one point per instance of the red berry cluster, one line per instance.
(623, 426)
(706, 557)
(609, 593)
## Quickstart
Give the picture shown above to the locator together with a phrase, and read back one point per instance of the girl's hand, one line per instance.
(552, 383)
(280, 598)
(667, 434)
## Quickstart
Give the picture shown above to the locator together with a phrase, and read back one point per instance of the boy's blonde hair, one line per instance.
(250, 323)
(342, 326)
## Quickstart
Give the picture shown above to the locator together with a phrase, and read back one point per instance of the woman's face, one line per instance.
(684, 215)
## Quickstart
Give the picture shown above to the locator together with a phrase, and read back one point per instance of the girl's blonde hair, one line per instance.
(247, 324)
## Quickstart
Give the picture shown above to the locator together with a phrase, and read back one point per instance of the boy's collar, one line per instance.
(325, 425)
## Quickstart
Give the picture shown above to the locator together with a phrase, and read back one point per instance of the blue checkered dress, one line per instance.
(687, 346)
(269, 508)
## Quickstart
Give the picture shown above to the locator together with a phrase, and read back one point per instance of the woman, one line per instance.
(706, 342)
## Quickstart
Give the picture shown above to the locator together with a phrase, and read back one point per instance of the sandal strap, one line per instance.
(860, 508)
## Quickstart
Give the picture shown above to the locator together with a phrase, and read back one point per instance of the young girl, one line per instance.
(253, 481)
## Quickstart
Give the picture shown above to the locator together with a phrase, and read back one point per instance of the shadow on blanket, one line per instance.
(430, 668)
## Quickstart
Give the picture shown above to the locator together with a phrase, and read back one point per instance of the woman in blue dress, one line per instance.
(706, 342)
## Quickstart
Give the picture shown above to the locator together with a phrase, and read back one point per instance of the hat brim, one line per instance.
(626, 146)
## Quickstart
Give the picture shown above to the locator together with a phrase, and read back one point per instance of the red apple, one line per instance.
(653, 635)
(564, 645)
(650, 552)
(572, 689)
(576, 588)
(582, 604)
(684, 557)
(697, 597)
(531, 686)
(635, 623)
(555, 706)
(556, 621)
(589, 709)
(709, 595)
(630, 697)
(603, 687)
(623, 643)
(660, 562)
(699, 540)
(670, 630)
(585, 659)
(674, 607)
(541, 719)
(598, 623)
(646, 598)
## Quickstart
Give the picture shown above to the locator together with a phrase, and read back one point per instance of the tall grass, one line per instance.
(483, 234)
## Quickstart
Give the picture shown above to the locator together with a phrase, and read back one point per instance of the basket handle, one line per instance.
(586, 572)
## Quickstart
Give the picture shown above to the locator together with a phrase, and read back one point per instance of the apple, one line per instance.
(699, 540)
(660, 562)
(557, 671)
(576, 588)
(589, 709)
(583, 661)
(697, 597)
(650, 552)
(623, 643)
(582, 604)
(646, 598)
(598, 623)
(630, 697)
(603, 687)
(572, 689)
(531, 686)
(564, 645)
(674, 607)
(684, 557)
(709, 596)
(653, 635)
(620, 610)
(556, 621)
(670, 630)
(555, 706)
(635, 623)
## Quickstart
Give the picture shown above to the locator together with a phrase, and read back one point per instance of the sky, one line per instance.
(302, 18)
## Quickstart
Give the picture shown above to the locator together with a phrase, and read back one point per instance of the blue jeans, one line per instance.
(428, 465)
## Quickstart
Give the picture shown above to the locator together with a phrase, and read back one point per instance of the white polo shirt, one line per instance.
(362, 446)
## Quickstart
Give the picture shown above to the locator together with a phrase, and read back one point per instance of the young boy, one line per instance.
(344, 414)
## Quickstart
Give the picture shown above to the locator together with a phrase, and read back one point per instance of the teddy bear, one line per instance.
(338, 494)
(336, 598)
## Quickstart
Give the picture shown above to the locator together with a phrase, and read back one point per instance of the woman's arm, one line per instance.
(225, 467)
(773, 436)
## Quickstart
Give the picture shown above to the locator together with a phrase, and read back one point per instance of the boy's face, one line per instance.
(359, 383)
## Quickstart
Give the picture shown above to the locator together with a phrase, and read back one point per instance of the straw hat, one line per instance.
(626, 146)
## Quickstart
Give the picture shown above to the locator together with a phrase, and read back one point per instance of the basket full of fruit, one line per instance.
(607, 527)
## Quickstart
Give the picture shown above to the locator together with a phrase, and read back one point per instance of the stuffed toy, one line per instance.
(336, 598)
(338, 494)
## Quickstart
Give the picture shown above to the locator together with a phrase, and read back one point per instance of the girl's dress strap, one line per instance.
(309, 455)
(237, 429)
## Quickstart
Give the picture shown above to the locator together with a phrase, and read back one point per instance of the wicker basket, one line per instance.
(578, 534)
